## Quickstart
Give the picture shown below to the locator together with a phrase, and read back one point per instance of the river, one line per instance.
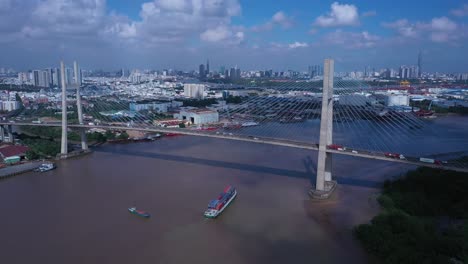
(78, 212)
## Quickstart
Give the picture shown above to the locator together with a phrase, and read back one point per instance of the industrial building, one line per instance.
(160, 107)
(198, 116)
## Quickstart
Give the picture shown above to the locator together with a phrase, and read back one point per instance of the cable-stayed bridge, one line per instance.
(331, 116)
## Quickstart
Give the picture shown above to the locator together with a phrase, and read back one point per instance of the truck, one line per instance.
(395, 156)
(432, 161)
(12, 159)
(336, 147)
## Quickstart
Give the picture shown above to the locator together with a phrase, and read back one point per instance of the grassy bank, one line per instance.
(424, 219)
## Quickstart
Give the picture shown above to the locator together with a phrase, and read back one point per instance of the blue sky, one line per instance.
(254, 34)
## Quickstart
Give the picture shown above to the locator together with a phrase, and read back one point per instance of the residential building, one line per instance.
(194, 90)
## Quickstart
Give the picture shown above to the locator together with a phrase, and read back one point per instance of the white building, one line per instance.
(23, 77)
(397, 100)
(9, 105)
(160, 107)
(194, 90)
(198, 116)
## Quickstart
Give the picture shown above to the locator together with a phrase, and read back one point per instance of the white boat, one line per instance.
(46, 167)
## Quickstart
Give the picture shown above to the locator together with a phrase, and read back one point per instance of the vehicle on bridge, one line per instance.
(336, 147)
(394, 156)
(432, 161)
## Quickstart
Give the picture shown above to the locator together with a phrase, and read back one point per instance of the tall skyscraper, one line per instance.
(207, 67)
(35, 77)
(69, 76)
(232, 74)
(201, 71)
(50, 76)
(404, 72)
(419, 64)
(76, 74)
(56, 77)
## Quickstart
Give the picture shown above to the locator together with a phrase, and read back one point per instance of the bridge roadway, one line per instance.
(255, 139)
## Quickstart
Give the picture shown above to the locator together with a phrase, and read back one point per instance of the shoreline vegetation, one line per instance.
(424, 219)
(44, 141)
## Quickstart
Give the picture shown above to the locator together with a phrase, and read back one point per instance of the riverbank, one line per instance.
(424, 219)
(18, 169)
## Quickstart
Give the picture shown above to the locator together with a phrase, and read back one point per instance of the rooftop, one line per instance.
(12, 150)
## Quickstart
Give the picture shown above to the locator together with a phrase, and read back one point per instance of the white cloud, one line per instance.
(443, 24)
(278, 19)
(282, 19)
(69, 17)
(296, 45)
(460, 12)
(403, 27)
(439, 29)
(351, 40)
(340, 15)
(222, 33)
(166, 21)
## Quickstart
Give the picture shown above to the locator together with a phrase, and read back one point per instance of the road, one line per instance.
(259, 140)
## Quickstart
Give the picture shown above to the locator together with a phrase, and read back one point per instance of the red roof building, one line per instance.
(13, 150)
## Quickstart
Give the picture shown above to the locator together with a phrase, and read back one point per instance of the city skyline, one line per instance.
(181, 34)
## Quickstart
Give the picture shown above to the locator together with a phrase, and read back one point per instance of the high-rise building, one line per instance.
(232, 74)
(135, 78)
(50, 75)
(69, 76)
(419, 64)
(315, 70)
(201, 71)
(23, 77)
(238, 74)
(414, 72)
(35, 77)
(463, 77)
(44, 79)
(194, 90)
(404, 72)
(207, 67)
(56, 77)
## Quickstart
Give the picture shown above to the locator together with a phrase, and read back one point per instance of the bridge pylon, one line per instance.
(324, 185)
(64, 142)
(82, 131)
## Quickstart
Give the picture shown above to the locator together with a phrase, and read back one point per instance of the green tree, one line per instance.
(110, 134)
(123, 135)
(32, 155)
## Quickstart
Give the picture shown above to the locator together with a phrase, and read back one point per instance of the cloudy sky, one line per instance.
(253, 34)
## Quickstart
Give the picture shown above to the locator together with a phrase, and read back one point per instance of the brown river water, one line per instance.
(78, 212)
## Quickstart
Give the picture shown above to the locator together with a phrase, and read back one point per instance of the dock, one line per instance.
(18, 169)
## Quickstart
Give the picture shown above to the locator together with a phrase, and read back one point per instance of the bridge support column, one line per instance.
(64, 145)
(2, 132)
(325, 186)
(84, 142)
(10, 134)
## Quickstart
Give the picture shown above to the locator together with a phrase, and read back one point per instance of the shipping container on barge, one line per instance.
(216, 207)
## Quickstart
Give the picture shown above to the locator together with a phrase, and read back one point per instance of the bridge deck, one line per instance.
(260, 140)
